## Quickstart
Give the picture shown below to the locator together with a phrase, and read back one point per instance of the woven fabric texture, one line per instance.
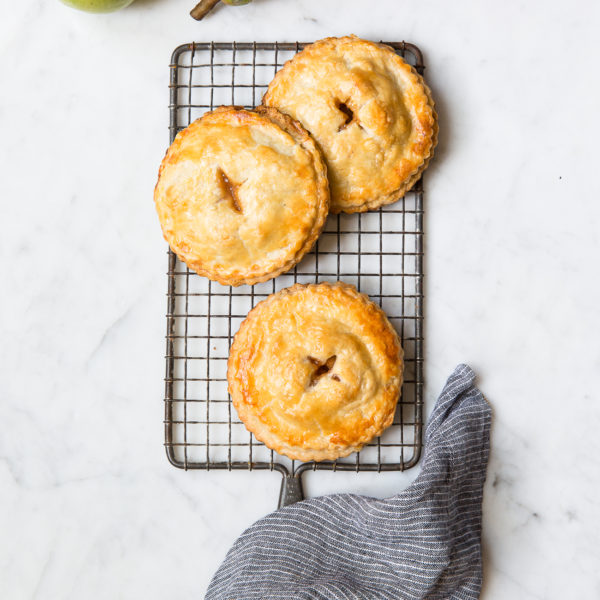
(423, 543)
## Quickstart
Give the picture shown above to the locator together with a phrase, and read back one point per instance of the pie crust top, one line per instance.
(315, 371)
(370, 112)
(242, 195)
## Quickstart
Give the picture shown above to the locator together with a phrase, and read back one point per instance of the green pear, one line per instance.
(237, 2)
(98, 6)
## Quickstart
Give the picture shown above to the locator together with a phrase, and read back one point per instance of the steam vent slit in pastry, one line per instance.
(315, 371)
(370, 112)
(242, 195)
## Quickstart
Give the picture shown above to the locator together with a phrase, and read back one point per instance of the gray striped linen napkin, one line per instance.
(423, 543)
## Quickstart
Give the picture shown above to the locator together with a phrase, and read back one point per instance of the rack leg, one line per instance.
(291, 490)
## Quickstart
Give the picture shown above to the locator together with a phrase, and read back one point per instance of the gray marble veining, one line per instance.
(89, 506)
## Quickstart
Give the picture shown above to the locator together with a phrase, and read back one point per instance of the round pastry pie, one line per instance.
(370, 112)
(315, 371)
(242, 195)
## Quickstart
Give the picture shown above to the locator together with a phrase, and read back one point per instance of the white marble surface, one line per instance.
(89, 506)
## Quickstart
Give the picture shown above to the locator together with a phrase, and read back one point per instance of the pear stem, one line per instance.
(203, 8)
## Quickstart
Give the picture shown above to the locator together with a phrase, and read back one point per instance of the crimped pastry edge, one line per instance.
(414, 177)
(295, 129)
(260, 430)
(431, 127)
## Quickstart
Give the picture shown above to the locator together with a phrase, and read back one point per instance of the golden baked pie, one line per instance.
(242, 195)
(370, 112)
(315, 371)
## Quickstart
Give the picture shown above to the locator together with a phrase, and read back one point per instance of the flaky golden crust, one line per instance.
(242, 195)
(315, 371)
(370, 112)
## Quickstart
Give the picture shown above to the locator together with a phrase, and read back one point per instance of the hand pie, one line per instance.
(369, 111)
(315, 371)
(242, 195)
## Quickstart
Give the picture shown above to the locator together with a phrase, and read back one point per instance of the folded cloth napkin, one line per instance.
(422, 543)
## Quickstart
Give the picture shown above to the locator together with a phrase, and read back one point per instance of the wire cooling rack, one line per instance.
(380, 252)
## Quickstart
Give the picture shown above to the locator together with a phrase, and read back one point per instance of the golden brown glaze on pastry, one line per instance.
(370, 112)
(315, 371)
(242, 195)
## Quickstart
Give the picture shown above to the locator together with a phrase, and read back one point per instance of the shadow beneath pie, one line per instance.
(445, 127)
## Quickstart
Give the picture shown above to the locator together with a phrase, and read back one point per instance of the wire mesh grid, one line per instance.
(380, 252)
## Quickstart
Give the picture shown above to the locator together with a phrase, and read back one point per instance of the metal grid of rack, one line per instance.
(380, 252)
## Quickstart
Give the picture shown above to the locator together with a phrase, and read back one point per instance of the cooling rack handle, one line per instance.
(291, 490)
